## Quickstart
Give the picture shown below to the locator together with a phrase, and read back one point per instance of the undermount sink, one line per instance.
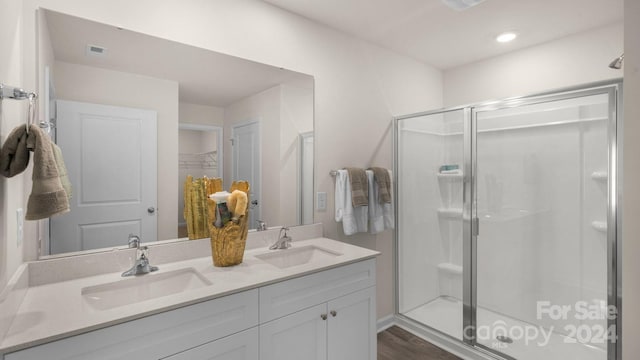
(143, 287)
(297, 256)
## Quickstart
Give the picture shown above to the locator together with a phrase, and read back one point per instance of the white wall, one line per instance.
(573, 60)
(100, 86)
(358, 87)
(201, 114)
(12, 113)
(631, 179)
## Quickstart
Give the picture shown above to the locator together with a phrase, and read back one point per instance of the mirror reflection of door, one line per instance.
(199, 155)
(245, 142)
(110, 155)
(306, 178)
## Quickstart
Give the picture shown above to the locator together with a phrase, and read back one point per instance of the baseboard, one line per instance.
(386, 322)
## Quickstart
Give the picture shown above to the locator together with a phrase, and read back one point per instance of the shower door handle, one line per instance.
(475, 226)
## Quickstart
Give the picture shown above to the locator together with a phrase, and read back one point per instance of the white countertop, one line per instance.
(56, 310)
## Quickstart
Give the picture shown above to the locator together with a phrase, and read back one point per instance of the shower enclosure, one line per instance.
(506, 236)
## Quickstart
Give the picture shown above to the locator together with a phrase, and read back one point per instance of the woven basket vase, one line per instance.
(228, 242)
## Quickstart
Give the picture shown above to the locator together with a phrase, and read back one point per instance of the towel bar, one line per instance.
(10, 92)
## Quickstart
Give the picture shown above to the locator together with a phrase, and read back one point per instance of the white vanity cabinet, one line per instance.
(331, 315)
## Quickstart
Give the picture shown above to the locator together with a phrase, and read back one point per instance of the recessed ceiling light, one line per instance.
(506, 37)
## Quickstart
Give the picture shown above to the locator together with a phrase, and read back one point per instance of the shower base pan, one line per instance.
(445, 314)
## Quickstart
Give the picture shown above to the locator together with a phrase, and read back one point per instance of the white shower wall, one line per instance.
(431, 243)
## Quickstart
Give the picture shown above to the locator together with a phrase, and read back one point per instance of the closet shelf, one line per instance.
(599, 175)
(450, 268)
(450, 213)
(206, 160)
(599, 226)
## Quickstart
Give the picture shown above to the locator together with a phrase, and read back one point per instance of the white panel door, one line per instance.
(352, 326)
(111, 158)
(301, 335)
(246, 163)
(240, 346)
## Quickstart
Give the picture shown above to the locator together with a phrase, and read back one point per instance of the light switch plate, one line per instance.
(321, 201)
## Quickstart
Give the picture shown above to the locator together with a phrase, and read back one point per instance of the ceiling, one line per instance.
(205, 77)
(433, 33)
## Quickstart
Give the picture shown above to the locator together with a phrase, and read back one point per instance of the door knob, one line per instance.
(151, 210)
(323, 316)
(333, 313)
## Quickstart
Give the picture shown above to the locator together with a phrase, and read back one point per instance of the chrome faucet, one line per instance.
(284, 241)
(262, 225)
(142, 265)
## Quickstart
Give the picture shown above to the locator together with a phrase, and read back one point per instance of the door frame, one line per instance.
(304, 149)
(257, 188)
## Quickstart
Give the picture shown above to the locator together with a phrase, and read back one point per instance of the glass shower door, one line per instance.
(429, 229)
(541, 200)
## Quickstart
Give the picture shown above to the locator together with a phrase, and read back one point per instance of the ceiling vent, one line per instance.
(95, 50)
(461, 5)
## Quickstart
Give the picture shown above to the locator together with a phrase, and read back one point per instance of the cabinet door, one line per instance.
(301, 335)
(352, 326)
(240, 346)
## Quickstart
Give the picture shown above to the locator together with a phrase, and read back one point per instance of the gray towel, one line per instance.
(62, 169)
(48, 197)
(359, 187)
(14, 155)
(381, 176)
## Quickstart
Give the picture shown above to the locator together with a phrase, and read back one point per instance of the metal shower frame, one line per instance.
(613, 89)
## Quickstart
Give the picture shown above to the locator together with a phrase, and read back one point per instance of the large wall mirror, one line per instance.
(135, 115)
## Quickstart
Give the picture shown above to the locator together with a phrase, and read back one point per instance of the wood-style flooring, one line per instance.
(398, 344)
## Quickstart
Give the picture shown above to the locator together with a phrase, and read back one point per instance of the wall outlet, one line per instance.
(20, 226)
(321, 201)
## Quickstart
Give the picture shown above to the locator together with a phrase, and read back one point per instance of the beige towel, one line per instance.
(62, 170)
(14, 155)
(47, 197)
(381, 176)
(359, 187)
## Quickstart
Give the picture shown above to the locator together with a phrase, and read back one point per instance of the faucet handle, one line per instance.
(262, 225)
(143, 252)
(286, 239)
(134, 241)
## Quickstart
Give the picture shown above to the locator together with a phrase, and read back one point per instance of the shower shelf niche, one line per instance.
(450, 213)
(599, 175)
(599, 226)
(450, 176)
(450, 268)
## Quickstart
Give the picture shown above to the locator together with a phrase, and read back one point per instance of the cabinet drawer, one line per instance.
(240, 346)
(155, 336)
(296, 294)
